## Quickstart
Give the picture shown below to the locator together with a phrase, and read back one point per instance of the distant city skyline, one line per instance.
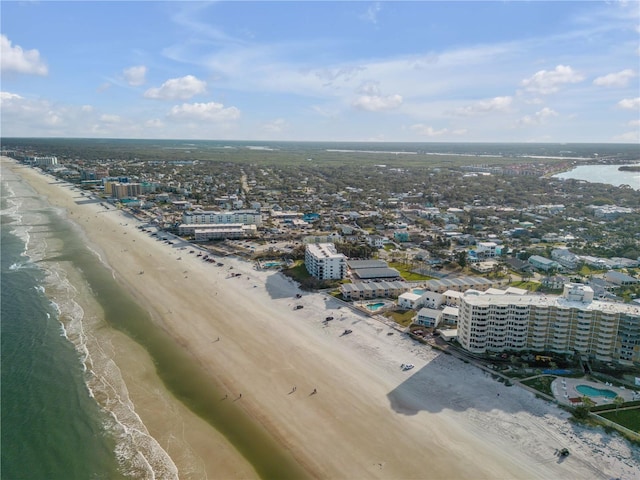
(322, 71)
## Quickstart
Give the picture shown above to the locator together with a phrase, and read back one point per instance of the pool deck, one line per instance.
(565, 388)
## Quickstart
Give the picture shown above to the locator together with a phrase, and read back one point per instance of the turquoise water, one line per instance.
(374, 306)
(271, 264)
(418, 291)
(595, 392)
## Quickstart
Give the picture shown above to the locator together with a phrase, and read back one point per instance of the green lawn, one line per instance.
(402, 318)
(531, 286)
(406, 274)
(627, 418)
(542, 384)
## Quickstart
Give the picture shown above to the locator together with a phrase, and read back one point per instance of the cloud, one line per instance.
(496, 104)
(377, 103)
(107, 118)
(154, 123)
(538, 118)
(372, 101)
(429, 131)
(631, 137)
(15, 59)
(208, 112)
(545, 81)
(275, 126)
(629, 103)
(620, 79)
(371, 15)
(8, 97)
(40, 117)
(135, 75)
(181, 88)
(633, 123)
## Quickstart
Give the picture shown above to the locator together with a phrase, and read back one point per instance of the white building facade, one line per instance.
(571, 323)
(324, 262)
(246, 217)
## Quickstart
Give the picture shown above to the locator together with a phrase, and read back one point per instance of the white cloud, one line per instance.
(275, 126)
(372, 101)
(37, 116)
(549, 81)
(154, 123)
(631, 137)
(371, 15)
(538, 118)
(208, 112)
(8, 97)
(429, 131)
(181, 88)
(376, 103)
(15, 59)
(633, 123)
(620, 79)
(107, 118)
(496, 104)
(629, 103)
(135, 76)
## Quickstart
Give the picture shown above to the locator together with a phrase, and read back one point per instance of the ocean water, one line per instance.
(66, 412)
(51, 426)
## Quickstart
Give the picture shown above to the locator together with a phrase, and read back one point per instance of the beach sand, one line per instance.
(369, 419)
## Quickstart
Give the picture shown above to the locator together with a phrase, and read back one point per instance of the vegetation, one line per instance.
(408, 274)
(403, 317)
(542, 384)
(627, 418)
(300, 274)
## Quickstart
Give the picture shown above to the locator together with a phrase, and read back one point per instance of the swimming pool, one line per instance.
(271, 264)
(418, 291)
(374, 306)
(595, 392)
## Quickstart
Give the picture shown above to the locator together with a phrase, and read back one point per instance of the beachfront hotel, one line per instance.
(571, 323)
(246, 217)
(324, 262)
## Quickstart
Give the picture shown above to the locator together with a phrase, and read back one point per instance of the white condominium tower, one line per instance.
(571, 323)
(324, 262)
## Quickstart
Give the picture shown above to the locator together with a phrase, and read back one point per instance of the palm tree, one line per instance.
(587, 402)
(618, 401)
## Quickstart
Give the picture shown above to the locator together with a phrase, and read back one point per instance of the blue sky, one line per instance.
(446, 71)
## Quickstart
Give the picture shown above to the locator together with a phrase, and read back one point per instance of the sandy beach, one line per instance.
(368, 419)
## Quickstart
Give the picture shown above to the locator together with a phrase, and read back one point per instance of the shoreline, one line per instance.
(444, 418)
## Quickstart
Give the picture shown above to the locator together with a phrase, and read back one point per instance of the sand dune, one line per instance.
(368, 419)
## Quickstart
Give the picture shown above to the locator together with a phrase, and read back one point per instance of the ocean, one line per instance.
(52, 428)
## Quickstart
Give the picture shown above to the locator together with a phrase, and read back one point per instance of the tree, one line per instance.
(587, 402)
(618, 401)
(461, 258)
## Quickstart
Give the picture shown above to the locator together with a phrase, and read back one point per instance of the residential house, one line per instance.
(542, 263)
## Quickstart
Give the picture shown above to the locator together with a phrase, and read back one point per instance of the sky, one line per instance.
(413, 71)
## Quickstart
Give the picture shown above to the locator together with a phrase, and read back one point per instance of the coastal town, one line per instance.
(531, 278)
